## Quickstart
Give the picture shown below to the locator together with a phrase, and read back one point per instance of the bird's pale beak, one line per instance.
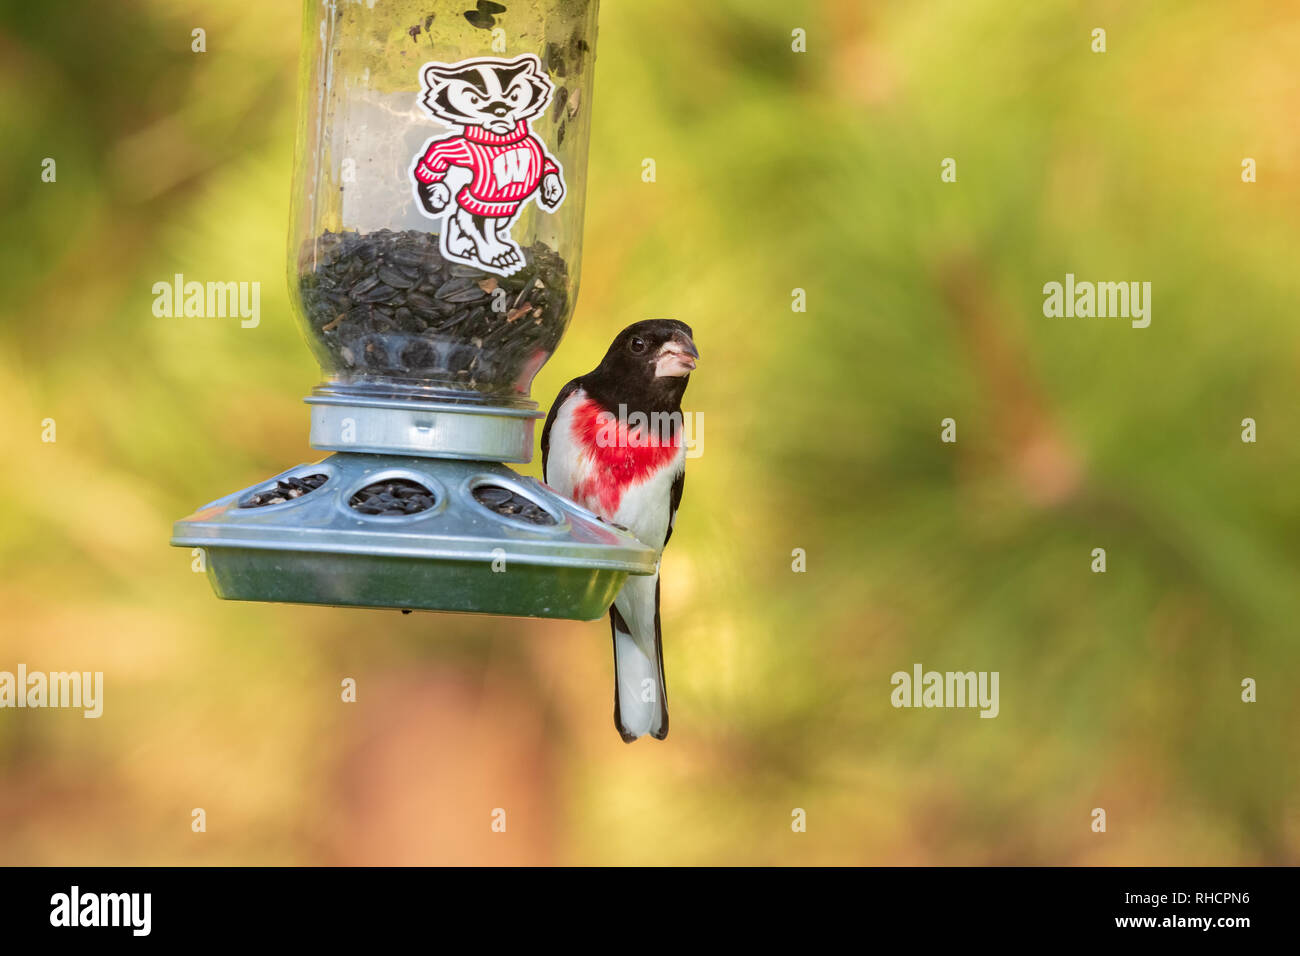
(677, 357)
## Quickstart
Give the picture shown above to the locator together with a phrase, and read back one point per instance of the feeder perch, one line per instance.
(434, 251)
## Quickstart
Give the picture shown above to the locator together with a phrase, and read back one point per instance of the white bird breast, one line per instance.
(644, 507)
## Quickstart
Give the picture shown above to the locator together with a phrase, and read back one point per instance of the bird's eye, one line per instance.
(637, 345)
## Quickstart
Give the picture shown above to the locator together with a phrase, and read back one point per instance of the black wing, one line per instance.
(550, 419)
(674, 499)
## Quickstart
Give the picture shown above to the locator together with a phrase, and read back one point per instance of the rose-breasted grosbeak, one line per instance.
(613, 442)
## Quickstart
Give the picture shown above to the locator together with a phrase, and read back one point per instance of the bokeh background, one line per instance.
(776, 171)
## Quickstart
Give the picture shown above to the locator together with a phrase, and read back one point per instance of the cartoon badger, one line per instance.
(495, 165)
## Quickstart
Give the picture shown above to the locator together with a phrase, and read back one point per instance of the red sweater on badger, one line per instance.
(506, 168)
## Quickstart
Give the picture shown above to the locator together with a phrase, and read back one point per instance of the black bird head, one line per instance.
(646, 368)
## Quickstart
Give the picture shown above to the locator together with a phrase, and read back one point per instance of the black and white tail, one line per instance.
(640, 701)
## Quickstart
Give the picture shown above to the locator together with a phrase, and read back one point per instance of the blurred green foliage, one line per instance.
(775, 171)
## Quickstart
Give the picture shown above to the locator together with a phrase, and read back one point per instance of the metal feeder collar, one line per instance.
(435, 242)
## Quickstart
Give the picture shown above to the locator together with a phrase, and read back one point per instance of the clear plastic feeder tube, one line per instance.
(438, 197)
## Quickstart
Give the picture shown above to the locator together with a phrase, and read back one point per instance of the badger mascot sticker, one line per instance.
(478, 180)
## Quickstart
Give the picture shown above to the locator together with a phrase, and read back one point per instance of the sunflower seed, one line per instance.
(463, 289)
(393, 498)
(394, 278)
(285, 489)
(506, 502)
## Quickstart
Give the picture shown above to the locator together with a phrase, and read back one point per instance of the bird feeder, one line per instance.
(433, 259)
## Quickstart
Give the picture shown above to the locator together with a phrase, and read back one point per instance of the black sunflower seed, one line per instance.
(363, 286)
(422, 304)
(506, 502)
(286, 489)
(376, 293)
(394, 278)
(407, 258)
(460, 289)
(392, 498)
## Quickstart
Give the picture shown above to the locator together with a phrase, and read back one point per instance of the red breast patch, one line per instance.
(623, 453)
